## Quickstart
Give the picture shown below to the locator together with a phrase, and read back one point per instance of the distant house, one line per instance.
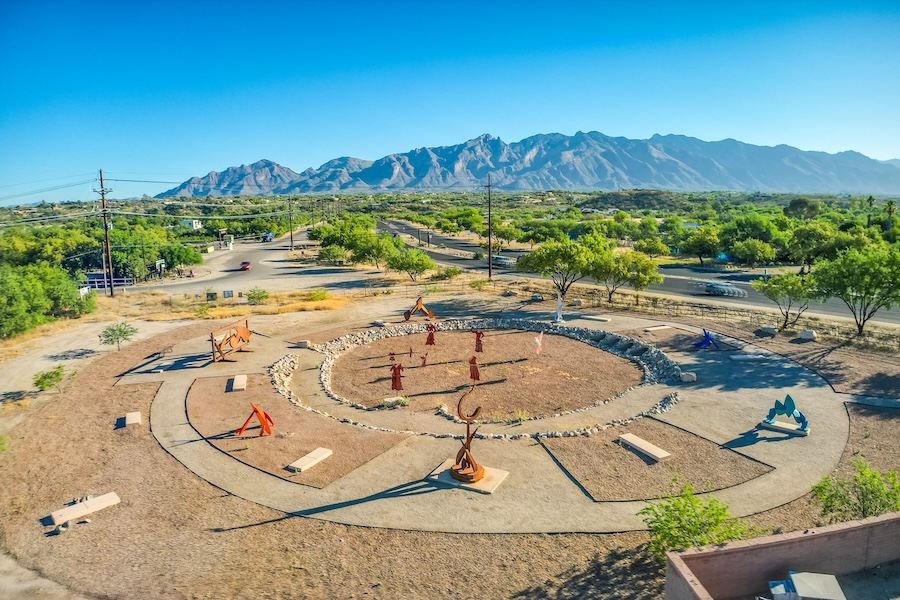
(192, 223)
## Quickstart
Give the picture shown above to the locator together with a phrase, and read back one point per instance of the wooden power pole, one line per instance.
(107, 264)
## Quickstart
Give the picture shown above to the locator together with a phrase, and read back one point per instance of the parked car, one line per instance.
(267, 237)
(245, 266)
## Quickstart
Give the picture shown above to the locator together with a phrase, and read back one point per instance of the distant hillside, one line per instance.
(584, 161)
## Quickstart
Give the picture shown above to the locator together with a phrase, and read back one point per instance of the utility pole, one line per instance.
(107, 264)
(291, 220)
(490, 243)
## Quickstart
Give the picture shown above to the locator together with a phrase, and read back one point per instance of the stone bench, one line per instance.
(81, 509)
(784, 427)
(768, 329)
(132, 418)
(239, 383)
(310, 460)
(657, 328)
(748, 357)
(303, 344)
(644, 447)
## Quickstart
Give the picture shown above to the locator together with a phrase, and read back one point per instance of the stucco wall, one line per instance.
(745, 567)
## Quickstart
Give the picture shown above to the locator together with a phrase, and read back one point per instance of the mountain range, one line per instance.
(584, 161)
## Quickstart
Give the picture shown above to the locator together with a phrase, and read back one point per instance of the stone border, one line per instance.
(656, 366)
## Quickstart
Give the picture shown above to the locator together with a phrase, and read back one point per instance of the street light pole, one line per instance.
(291, 220)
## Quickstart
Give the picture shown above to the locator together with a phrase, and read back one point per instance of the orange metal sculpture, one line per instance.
(419, 307)
(264, 421)
(230, 338)
(466, 469)
(474, 373)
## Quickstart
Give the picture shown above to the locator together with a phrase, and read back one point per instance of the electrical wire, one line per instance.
(49, 189)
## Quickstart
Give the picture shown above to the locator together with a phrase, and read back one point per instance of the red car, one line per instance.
(245, 266)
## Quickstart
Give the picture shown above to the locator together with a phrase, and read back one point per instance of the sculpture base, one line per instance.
(487, 485)
(467, 475)
(784, 427)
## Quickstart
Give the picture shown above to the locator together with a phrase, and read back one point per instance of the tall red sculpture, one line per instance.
(474, 374)
(264, 421)
(466, 469)
(478, 345)
(430, 329)
(396, 383)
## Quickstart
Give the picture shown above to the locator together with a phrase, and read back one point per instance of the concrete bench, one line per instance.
(644, 447)
(310, 460)
(748, 357)
(132, 418)
(303, 343)
(239, 383)
(81, 509)
(657, 328)
(784, 427)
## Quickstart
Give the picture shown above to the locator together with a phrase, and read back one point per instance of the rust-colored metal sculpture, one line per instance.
(430, 329)
(228, 339)
(424, 358)
(264, 421)
(479, 347)
(396, 383)
(419, 307)
(474, 373)
(539, 343)
(466, 469)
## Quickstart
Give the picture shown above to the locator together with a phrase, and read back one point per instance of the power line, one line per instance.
(49, 189)
(44, 180)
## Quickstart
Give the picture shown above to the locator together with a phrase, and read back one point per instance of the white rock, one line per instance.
(688, 376)
(808, 334)
(578, 302)
(769, 329)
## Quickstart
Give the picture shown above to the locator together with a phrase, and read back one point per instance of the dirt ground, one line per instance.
(512, 376)
(597, 461)
(217, 414)
(176, 536)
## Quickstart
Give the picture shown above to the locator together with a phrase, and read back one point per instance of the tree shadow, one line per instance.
(881, 385)
(623, 574)
(73, 354)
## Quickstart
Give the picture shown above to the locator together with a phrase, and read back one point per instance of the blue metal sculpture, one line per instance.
(789, 409)
(707, 341)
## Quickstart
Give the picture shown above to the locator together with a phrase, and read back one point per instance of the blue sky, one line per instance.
(167, 90)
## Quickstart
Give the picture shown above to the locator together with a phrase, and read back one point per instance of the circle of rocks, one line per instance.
(656, 366)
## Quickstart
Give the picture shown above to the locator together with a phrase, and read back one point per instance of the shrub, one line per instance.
(48, 379)
(685, 520)
(867, 493)
(478, 256)
(317, 295)
(257, 295)
(478, 284)
(3, 440)
(446, 274)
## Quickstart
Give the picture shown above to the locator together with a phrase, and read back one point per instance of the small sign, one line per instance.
(84, 291)
(228, 294)
(211, 295)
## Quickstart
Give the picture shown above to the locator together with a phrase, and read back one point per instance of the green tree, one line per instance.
(867, 493)
(802, 208)
(870, 202)
(23, 305)
(506, 233)
(410, 261)
(331, 253)
(564, 262)
(375, 249)
(117, 333)
(652, 246)
(703, 242)
(790, 292)
(865, 280)
(617, 269)
(45, 380)
(753, 252)
(683, 521)
(890, 207)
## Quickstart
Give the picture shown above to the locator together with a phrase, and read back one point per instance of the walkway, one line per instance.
(724, 406)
